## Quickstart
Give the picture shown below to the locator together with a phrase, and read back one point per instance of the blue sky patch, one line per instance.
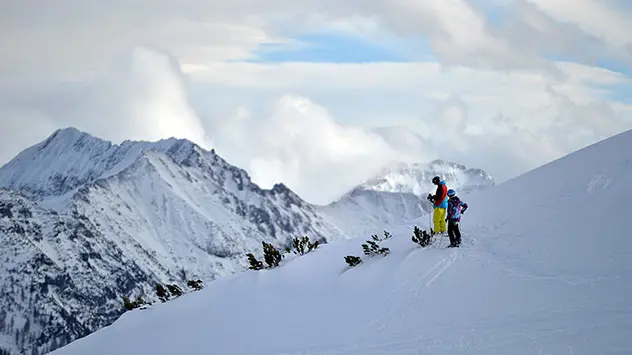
(607, 63)
(619, 92)
(615, 65)
(336, 48)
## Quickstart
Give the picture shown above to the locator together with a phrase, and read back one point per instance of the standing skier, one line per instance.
(456, 208)
(440, 204)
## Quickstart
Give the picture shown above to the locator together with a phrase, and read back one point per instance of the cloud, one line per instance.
(503, 122)
(141, 96)
(300, 144)
(20, 128)
(460, 33)
(143, 93)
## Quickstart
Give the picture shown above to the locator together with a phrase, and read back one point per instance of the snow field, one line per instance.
(545, 268)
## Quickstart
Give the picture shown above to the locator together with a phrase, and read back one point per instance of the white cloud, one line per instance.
(300, 144)
(79, 36)
(20, 128)
(504, 122)
(144, 93)
(594, 17)
(141, 96)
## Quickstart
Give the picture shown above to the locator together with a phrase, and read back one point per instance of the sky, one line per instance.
(321, 94)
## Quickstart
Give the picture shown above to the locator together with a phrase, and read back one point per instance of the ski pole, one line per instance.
(430, 215)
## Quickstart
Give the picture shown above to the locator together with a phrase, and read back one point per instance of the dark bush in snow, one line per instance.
(352, 260)
(303, 245)
(162, 294)
(421, 237)
(254, 263)
(195, 284)
(271, 255)
(132, 305)
(175, 290)
(387, 235)
(371, 248)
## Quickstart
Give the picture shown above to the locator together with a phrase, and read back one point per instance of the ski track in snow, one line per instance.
(415, 287)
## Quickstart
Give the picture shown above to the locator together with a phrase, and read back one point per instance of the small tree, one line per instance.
(421, 237)
(371, 248)
(352, 260)
(387, 235)
(175, 290)
(132, 305)
(195, 284)
(140, 302)
(254, 263)
(162, 294)
(271, 255)
(303, 245)
(127, 304)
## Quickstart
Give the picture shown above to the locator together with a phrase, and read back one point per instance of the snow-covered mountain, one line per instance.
(166, 211)
(544, 268)
(398, 193)
(60, 278)
(416, 178)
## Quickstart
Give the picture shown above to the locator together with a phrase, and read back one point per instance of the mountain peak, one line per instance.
(52, 170)
(415, 177)
(65, 138)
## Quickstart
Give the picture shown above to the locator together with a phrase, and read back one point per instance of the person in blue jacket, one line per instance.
(440, 204)
(456, 208)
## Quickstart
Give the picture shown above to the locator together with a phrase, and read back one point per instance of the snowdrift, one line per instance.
(545, 268)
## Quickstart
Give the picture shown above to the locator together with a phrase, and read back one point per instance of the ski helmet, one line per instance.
(436, 180)
(451, 192)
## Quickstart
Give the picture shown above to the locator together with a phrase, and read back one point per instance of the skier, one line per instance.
(440, 204)
(456, 208)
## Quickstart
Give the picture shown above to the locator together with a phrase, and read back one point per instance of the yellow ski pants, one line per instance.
(439, 220)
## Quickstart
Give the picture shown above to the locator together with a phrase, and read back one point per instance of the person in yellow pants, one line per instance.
(440, 204)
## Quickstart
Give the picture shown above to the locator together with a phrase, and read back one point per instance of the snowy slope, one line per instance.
(544, 269)
(398, 193)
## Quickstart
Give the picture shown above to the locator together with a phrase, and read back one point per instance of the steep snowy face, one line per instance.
(51, 172)
(416, 178)
(60, 278)
(544, 268)
(199, 217)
